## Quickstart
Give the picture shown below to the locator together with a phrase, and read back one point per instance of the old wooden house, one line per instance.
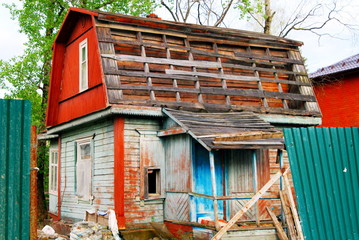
(336, 88)
(169, 122)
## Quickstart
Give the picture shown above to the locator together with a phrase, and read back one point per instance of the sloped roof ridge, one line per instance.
(349, 63)
(228, 31)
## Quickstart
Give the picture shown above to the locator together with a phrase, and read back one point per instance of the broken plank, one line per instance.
(293, 207)
(249, 136)
(171, 131)
(288, 215)
(248, 204)
(280, 232)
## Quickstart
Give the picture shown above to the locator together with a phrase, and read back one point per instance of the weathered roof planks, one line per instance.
(227, 130)
(151, 62)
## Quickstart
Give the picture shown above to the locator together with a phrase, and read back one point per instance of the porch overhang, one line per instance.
(231, 130)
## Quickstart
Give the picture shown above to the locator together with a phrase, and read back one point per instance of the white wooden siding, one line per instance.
(103, 175)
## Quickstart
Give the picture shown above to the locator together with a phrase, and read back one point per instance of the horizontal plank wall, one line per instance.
(103, 172)
(137, 210)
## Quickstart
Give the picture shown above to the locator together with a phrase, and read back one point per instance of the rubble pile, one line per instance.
(48, 233)
(90, 231)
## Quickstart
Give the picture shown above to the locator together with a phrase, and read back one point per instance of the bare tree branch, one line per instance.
(224, 13)
(199, 13)
(169, 9)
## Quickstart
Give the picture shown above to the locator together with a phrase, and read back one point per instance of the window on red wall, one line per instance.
(83, 54)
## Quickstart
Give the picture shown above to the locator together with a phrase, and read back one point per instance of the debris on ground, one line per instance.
(90, 231)
(41, 235)
(48, 230)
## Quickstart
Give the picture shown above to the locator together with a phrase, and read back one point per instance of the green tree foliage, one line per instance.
(27, 76)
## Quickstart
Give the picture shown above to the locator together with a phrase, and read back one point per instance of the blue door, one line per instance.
(202, 184)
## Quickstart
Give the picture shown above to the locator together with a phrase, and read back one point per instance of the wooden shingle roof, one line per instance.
(157, 63)
(234, 130)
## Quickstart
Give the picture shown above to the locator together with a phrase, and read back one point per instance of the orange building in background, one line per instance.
(337, 90)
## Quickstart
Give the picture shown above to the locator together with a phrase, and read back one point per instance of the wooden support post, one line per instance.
(293, 208)
(33, 184)
(280, 232)
(119, 171)
(249, 204)
(280, 157)
(255, 184)
(214, 190)
(288, 215)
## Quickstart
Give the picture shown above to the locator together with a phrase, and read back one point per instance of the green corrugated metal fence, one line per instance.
(324, 163)
(15, 123)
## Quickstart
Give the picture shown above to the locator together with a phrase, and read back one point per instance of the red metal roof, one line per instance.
(349, 63)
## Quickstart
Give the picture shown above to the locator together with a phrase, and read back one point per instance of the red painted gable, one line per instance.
(66, 102)
(339, 102)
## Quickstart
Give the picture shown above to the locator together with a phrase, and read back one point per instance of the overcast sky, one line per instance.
(318, 54)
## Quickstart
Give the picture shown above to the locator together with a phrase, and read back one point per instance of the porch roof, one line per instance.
(229, 130)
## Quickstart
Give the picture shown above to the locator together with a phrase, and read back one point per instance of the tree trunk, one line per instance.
(268, 17)
(43, 162)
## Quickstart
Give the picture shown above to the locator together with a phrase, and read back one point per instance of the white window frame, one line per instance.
(83, 77)
(81, 168)
(53, 169)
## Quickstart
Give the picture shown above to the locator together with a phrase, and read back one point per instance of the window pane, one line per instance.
(85, 151)
(52, 178)
(84, 171)
(83, 75)
(55, 178)
(83, 53)
(55, 158)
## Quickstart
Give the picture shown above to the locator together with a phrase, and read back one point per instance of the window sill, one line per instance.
(154, 198)
(79, 93)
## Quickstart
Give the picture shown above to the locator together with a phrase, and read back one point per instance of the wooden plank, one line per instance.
(187, 78)
(219, 91)
(171, 132)
(269, 69)
(123, 26)
(259, 83)
(249, 136)
(168, 56)
(293, 208)
(249, 204)
(186, 63)
(213, 75)
(211, 54)
(258, 143)
(229, 65)
(221, 71)
(194, 70)
(288, 215)
(199, 32)
(304, 90)
(266, 57)
(280, 232)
